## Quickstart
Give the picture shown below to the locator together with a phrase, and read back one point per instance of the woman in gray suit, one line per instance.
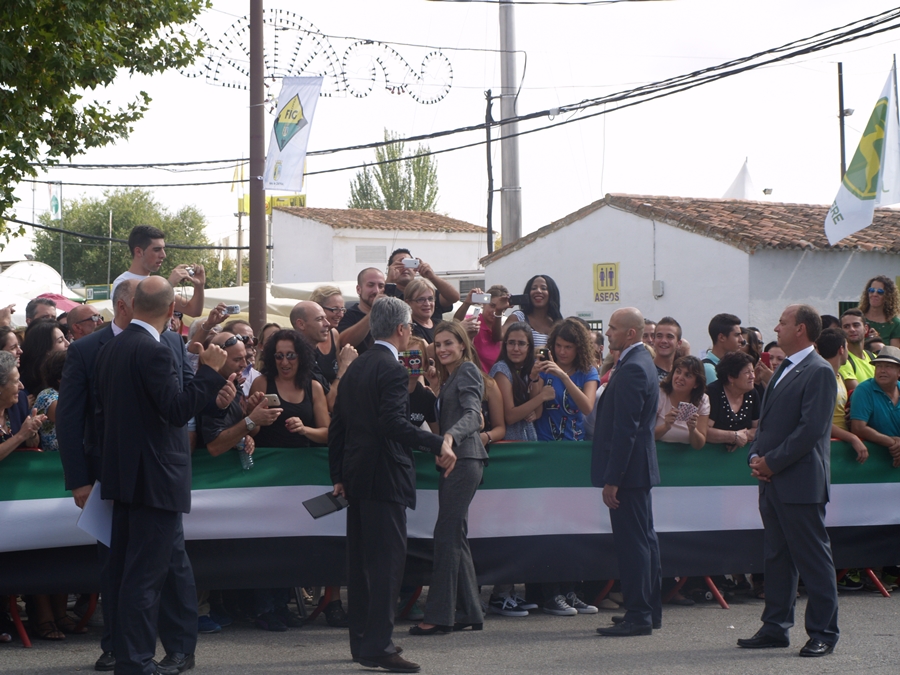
(453, 585)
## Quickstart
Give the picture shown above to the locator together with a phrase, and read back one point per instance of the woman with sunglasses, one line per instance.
(331, 300)
(880, 303)
(515, 372)
(453, 601)
(287, 371)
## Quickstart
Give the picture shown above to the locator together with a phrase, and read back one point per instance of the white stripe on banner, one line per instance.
(249, 513)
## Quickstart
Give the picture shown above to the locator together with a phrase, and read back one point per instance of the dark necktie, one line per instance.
(777, 375)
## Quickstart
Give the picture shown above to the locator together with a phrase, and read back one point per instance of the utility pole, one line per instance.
(488, 121)
(240, 242)
(257, 168)
(511, 192)
(841, 116)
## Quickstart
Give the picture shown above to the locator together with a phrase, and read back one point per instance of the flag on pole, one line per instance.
(873, 177)
(55, 201)
(290, 133)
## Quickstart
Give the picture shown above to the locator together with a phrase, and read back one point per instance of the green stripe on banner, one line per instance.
(36, 475)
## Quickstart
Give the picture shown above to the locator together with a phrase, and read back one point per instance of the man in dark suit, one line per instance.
(624, 465)
(146, 470)
(791, 458)
(370, 444)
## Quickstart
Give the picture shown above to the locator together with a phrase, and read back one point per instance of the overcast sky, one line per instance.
(783, 118)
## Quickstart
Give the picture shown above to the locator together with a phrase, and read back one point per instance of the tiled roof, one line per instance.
(747, 225)
(362, 219)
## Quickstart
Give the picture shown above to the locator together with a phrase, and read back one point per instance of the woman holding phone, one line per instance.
(454, 589)
(683, 412)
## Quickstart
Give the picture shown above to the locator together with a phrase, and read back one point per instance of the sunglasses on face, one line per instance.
(234, 339)
(290, 356)
(880, 291)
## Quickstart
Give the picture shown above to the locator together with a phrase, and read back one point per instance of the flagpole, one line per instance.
(896, 98)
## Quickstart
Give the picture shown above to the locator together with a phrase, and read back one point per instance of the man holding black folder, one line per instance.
(370, 444)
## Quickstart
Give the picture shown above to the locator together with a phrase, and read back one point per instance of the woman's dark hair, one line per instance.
(553, 310)
(891, 304)
(52, 369)
(4, 334)
(731, 365)
(694, 366)
(523, 372)
(754, 345)
(305, 357)
(575, 331)
(773, 343)
(39, 342)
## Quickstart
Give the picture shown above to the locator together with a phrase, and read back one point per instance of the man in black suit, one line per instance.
(791, 457)
(77, 438)
(624, 465)
(146, 470)
(370, 444)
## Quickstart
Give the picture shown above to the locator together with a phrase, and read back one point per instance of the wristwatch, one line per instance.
(251, 425)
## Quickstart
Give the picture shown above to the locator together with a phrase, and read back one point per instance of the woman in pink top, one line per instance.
(683, 412)
(480, 324)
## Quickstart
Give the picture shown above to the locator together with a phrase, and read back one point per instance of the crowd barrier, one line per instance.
(535, 518)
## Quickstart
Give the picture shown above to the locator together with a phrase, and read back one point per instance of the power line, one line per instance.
(852, 31)
(97, 237)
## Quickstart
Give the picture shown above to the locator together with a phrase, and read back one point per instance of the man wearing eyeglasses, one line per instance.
(245, 330)
(83, 320)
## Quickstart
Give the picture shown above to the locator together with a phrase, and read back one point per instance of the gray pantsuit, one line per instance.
(453, 582)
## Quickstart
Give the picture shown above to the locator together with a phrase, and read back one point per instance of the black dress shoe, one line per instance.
(463, 626)
(392, 662)
(398, 652)
(335, 615)
(762, 641)
(175, 663)
(625, 629)
(619, 619)
(434, 630)
(107, 661)
(816, 647)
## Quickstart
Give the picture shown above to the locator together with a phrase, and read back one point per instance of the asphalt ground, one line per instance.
(694, 640)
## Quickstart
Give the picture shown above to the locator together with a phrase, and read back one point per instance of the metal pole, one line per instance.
(61, 269)
(840, 66)
(511, 195)
(257, 167)
(109, 256)
(488, 119)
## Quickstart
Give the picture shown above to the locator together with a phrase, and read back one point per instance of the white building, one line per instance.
(693, 258)
(321, 245)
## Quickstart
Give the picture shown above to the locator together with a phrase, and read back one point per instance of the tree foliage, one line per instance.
(54, 51)
(398, 181)
(86, 259)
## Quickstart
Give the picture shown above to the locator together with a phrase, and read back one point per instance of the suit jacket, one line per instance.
(794, 432)
(76, 431)
(140, 411)
(624, 452)
(460, 411)
(370, 439)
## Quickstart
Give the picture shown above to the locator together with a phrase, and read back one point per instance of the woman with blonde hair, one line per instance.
(453, 593)
(331, 300)
(420, 294)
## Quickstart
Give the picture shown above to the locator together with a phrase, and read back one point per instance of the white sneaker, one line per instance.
(558, 606)
(504, 605)
(580, 606)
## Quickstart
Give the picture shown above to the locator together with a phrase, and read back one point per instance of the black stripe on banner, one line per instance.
(320, 561)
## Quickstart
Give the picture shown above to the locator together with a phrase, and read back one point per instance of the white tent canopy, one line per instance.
(742, 187)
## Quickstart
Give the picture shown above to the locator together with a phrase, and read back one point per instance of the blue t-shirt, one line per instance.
(871, 405)
(521, 430)
(561, 420)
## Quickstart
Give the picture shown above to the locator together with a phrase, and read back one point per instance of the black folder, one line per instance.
(324, 504)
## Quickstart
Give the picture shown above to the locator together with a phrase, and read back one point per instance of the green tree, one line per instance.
(86, 259)
(398, 181)
(53, 52)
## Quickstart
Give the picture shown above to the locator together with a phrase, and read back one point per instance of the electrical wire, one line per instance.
(850, 32)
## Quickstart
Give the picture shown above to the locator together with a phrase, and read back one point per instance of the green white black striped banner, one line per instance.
(529, 490)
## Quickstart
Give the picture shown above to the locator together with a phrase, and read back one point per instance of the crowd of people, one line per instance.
(504, 368)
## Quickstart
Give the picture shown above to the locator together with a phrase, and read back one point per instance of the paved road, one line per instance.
(697, 640)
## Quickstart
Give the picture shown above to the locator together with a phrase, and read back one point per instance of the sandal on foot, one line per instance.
(5, 637)
(67, 624)
(49, 631)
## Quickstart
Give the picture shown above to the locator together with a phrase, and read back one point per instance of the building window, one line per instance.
(371, 254)
(466, 285)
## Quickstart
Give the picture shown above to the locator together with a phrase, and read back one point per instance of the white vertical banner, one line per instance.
(873, 177)
(290, 133)
(55, 201)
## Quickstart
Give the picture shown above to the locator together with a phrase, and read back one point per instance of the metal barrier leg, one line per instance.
(678, 586)
(601, 596)
(14, 613)
(875, 580)
(715, 592)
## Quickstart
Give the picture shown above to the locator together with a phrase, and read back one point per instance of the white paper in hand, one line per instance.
(96, 516)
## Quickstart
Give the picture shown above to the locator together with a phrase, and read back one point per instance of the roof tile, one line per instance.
(362, 219)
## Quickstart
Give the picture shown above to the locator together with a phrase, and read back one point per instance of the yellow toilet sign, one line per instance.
(606, 282)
